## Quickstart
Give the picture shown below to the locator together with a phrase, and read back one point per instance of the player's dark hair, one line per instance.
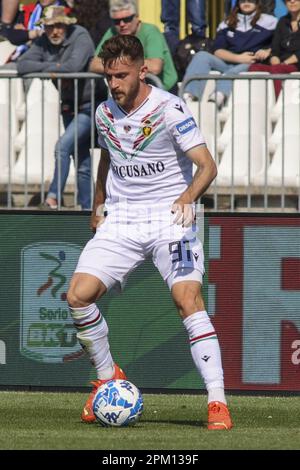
(122, 46)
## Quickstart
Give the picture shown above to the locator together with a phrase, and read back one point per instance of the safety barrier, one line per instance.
(30, 125)
(254, 139)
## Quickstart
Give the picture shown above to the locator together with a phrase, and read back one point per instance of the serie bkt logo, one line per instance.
(47, 332)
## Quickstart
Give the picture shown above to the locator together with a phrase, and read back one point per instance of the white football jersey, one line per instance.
(147, 149)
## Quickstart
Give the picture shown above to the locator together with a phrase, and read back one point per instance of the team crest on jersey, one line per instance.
(127, 129)
(147, 131)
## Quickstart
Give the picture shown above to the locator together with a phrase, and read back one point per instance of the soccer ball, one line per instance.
(117, 403)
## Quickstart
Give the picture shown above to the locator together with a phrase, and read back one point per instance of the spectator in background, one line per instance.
(26, 28)
(66, 47)
(8, 17)
(8, 12)
(94, 16)
(170, 16)
(285, 53)
(242, 39)
(271, 7)
(125, 19)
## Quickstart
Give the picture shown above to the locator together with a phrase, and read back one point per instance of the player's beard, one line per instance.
(125, 99)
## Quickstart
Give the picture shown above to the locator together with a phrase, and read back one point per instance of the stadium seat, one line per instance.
(242, 159)
(290, 94)
(287, 124)
(235, 139)
(287, 121)
(257, 91)
(11, 95)
(206, 114)
(38, 156)
(285, 166)
(283, 144)
(6, 50)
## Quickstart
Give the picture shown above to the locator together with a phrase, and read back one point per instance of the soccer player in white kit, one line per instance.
(144, 206)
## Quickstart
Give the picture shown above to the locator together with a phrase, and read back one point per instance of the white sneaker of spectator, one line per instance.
(188, 98)
(217, 97)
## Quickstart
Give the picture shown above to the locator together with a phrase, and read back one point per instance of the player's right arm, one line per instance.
(204, 175)
(98, 216)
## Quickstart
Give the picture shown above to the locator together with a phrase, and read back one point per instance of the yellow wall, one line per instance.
(150, 11)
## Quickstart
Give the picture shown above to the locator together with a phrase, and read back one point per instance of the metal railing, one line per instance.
(30, 123)
(254, 139)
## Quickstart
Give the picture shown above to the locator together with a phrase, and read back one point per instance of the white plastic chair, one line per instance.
(239, 107)
(10, 99)
(285, 166)
(288, 113)
(6, 50)
(241, 160)
(206, 114)
(290, 94)
(245, 127)
(287, 124)
(34, 153)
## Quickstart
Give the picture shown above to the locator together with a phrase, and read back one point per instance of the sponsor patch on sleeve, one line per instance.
(186, 126)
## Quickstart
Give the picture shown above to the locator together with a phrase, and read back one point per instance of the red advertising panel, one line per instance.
(254, 299)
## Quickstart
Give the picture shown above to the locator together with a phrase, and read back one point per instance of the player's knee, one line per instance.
(186, 305)
(188, 301)
(74, 299)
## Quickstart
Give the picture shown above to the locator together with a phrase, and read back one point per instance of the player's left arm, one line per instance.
(204, 175)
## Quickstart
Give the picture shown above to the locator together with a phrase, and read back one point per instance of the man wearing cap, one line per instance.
(66, 48)
(158, 59)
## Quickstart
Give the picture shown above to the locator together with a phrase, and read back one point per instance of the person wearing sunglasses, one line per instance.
(126, 21)
(66, 48)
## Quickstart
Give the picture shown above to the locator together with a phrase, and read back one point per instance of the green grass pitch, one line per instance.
(39, 420)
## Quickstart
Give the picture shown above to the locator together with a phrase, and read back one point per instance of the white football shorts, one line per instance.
(119, 248)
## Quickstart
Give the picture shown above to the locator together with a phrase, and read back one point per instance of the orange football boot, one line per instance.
(218, 416)
(87, 415)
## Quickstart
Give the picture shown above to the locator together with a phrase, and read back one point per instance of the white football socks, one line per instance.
(93, 336)
(206, 354)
